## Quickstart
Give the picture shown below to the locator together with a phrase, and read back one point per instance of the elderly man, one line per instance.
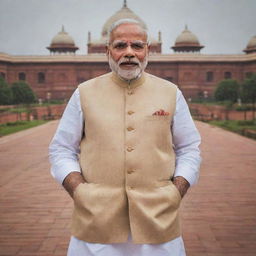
(138, 155)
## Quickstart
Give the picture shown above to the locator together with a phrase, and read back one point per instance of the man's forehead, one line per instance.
(128, 30)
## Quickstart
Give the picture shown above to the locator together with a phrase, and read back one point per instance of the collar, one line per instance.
(125, 84)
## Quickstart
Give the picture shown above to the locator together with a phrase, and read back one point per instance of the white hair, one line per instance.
(125, 21)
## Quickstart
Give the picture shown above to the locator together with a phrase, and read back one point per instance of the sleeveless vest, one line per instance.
(127, 160)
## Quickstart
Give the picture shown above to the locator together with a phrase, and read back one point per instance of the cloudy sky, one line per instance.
(223, 26)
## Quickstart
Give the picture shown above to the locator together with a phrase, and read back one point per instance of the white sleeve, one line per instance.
(65, 145)
(186, 140)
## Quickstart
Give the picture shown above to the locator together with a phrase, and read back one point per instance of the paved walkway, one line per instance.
(219, 214)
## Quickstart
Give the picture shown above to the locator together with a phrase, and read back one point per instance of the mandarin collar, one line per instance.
(133, 84)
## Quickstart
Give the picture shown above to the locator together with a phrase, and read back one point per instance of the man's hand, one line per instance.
(182, 185)
(72, 181)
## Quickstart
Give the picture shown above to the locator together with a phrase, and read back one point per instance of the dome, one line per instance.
(62, 43)
(123, 13)
(99, 46)
(187, 42)
(252, 42)
(187, 37)
(251, 46)
(63, 38)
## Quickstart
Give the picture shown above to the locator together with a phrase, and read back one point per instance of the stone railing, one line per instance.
(216, 112)
(34, 113)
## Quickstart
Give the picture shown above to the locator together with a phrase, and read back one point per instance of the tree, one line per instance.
(249, 91)
(22, 93)
(5, 93)
(227, 90)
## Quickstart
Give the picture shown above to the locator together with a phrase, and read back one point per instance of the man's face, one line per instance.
(128, 51)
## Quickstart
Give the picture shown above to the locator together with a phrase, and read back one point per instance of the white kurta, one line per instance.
(64, 150)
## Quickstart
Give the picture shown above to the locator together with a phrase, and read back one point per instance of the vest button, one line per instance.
(129, 149)
(130, 92)
(130, 112)
(130, 128)
(129, 188)
(130, 171)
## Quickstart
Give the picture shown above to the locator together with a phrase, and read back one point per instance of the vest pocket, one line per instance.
(93, 197)
(172, 191)
(91, 201)
(99, 208)
(177, 192)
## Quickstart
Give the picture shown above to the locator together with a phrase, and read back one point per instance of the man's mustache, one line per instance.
(128, 61)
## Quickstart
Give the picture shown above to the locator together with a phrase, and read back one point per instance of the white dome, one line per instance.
(123, 13)
(252, 42)
(187, 37)
(251, 46)
(62, 38)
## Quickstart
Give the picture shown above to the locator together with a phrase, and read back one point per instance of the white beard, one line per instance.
(127, 74)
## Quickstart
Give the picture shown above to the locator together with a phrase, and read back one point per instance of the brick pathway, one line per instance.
(219, 214)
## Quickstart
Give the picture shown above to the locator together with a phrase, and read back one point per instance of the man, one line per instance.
(138, 151)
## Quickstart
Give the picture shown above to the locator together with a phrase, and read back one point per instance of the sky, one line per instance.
(222, 26)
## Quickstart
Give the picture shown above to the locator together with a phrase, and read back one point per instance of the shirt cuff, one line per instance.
(187, 173)
(59, 173)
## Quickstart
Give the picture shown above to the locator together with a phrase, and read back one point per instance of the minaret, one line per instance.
(89, 38)
(159, 36)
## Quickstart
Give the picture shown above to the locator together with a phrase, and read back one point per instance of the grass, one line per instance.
(9, 128)
(18, 110)
(235, 106)
(236, 126)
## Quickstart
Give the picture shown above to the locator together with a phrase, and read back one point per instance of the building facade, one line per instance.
(57, 75)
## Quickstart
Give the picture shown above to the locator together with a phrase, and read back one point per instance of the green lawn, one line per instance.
(9, 128)
(236, 126)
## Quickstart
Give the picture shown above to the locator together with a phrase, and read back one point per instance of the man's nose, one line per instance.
(129, 53)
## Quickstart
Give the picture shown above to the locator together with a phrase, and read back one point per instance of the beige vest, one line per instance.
(127, 159)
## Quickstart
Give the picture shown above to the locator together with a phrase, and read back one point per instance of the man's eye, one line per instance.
(120, 46)
(137, 46)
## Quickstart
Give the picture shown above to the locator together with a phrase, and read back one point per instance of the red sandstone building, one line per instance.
(56, 76)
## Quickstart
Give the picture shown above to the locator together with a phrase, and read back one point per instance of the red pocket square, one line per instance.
(161, 112)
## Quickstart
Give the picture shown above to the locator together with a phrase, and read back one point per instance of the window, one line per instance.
(209, 76)
(227, 75)
(22, 76)
(2, 74)
(41, 77)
